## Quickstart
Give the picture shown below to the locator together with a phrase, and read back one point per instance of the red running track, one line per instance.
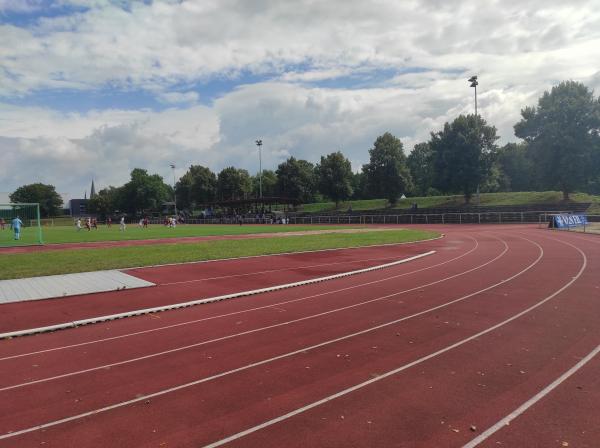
(179, 283)
(431, 353)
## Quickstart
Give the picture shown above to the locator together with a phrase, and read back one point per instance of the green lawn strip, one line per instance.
(486, 199)
(66, 234)
(82, 260)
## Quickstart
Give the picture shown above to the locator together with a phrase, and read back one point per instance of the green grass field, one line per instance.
(82, 260)
(64, 234)
(487, 199)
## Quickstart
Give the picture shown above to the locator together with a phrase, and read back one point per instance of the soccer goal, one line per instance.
(20, 225)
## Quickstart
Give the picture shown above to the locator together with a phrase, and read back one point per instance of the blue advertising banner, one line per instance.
(566, 221)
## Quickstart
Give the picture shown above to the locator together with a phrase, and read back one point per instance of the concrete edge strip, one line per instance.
(71, 284)
(139, 312)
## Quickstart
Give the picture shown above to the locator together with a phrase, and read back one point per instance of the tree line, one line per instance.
(560, 150)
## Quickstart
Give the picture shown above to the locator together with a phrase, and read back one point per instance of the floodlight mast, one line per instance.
(259, 144)
(474, 84)
(172, 165)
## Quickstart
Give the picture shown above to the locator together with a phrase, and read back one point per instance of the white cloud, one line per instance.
(179, 97)
(518, 50)
(167, 42)
(68, 150)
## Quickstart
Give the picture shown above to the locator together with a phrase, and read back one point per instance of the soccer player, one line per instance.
(2, 223)
(122, 225)
(16, 225)
(78, 224)
(109, 222)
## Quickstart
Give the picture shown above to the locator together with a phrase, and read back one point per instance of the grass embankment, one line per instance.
(487, 199)
(68, 234)
(81, 260)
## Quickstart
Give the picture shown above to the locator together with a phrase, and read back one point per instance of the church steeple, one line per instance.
(92, 190)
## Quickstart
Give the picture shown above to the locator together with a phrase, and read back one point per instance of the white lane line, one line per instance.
(195, 321)
(281, 324)
(298, 411)
(96, 319)
(533, 400)
(399, 369)
(442, 235)
(270, 271)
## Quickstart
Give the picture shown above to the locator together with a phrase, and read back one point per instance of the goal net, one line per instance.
(20, 225)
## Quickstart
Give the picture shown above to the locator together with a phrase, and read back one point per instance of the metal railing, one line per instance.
(531, 217)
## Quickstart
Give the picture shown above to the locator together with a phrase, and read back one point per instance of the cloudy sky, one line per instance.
(94, 88)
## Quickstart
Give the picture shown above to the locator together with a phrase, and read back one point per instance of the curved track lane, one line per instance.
(413, 356)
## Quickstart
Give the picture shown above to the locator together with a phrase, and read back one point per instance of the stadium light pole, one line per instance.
(172, 165)
(259, 144)
(474, 84)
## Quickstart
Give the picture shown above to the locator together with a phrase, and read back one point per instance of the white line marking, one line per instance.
(94, 320)
(167, 327)
(533, 400)
(281, 324)
(285, 355)
(399, 369)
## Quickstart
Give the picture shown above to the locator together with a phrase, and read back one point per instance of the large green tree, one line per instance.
(420, 164)
(143, 192)
(334, 174)
(296, 179)
(198, 185)
(104, 203)
(517, 168)
(359, 186)
(387, 173)
(462, 155)
(45, 195)
(269, 184)
(233, 183)
(562, 132)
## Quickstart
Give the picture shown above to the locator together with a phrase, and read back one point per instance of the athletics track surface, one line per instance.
(408, 356)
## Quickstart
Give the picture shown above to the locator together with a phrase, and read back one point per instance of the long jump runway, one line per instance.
(492, 341)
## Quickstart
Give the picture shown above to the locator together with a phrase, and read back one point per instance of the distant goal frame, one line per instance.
(31, 220)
